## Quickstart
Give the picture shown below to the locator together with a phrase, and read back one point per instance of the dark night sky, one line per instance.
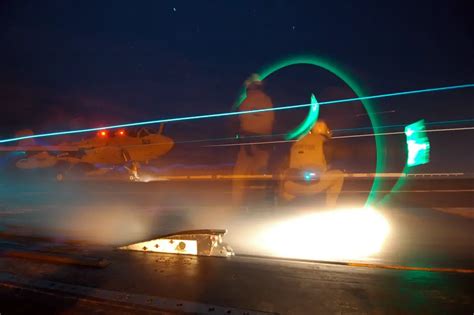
(77, 64)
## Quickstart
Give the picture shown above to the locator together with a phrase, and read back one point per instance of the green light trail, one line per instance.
(418, 145)
(331, 67)
(418, 151)
(309, 121)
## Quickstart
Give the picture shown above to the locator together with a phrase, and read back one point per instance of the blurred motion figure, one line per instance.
(308, 172)
(252, 159)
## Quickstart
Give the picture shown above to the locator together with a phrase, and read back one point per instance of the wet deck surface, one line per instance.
(118, 212)
(247, 284)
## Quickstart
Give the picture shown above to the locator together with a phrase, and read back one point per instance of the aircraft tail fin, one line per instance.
(162, 129)
(24, 133)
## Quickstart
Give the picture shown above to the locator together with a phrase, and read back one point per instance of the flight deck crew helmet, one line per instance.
(321, 128)
(253, 82)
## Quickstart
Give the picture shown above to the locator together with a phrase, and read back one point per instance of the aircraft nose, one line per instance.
(169, 143)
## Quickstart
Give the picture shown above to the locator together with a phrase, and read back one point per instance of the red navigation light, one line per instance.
(102, 133)
(121, 132)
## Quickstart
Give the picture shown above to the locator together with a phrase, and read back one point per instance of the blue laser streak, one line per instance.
(227, 114)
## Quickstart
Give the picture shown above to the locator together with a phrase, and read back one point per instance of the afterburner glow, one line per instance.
(344, 234)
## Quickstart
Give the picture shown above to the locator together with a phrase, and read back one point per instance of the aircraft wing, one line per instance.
(39, 148)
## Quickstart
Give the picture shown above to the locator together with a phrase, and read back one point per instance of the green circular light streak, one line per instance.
(308, 123)
(355, 87)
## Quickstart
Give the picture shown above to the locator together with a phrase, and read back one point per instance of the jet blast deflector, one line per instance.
(192, 242)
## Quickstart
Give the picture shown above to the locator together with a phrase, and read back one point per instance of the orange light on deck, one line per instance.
(121, 133)
(102, 133)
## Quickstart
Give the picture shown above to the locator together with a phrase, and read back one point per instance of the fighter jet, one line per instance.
(109, 147)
